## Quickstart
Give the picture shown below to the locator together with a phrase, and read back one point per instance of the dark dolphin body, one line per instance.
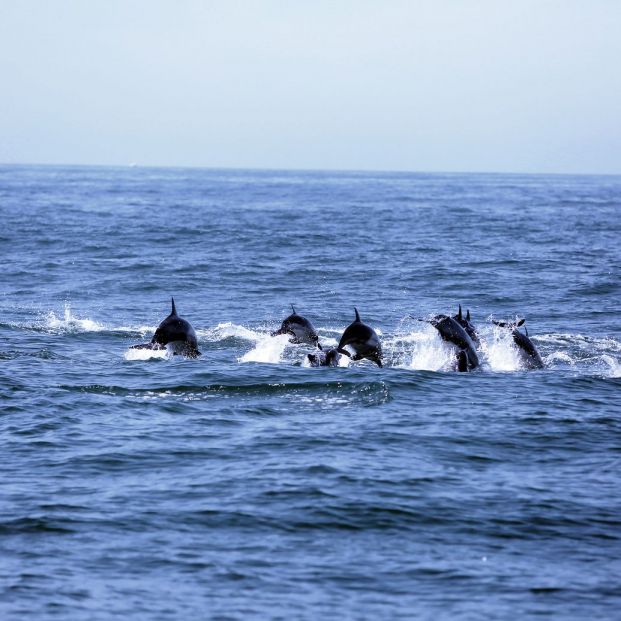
(452, 332)
(465, 323)
(363, 340)
(527, 350)
(176, 332)
(300, 328)
(329, 358)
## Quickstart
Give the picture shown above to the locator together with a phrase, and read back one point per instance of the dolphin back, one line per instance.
(175, 329)
(531, 357)
(300, 328)
(363, 340)
(451, 331)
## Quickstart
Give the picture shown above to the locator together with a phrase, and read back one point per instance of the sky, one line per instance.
(442, 85)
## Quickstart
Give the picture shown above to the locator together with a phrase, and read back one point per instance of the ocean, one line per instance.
(245, 484)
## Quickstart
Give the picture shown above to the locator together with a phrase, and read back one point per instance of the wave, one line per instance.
(335, 392)
(43, 354)
(580, 341)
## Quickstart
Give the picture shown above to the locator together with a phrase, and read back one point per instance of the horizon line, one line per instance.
(134, 165)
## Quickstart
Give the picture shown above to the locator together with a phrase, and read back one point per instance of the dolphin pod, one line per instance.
(359, 341)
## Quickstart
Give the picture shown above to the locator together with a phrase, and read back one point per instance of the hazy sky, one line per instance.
(438, 85)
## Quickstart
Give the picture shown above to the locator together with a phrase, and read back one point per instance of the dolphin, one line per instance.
(300, 328)
(452, 332)
(329, 358)
(176, 332)
(527, 350)
(465, 323)
(363, 340)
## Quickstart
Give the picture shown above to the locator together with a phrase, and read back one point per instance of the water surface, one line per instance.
(245, 484)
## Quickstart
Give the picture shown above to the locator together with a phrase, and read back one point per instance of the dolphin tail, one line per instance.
(174, 310)
(357, 314)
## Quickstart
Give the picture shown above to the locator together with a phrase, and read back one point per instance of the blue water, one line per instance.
(246, 485)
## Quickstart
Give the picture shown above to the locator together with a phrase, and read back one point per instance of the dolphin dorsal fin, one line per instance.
(468, 315)
(459, 316)
(174, 310)
(357, 314)
(293, 309)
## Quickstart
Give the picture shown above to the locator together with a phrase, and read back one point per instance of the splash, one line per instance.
(228, 330)
(268, 349)
(559, 357)
(421, 350)
(499, 351)
(70, 323)
(614, 367)
(147, 354)
(425, 350)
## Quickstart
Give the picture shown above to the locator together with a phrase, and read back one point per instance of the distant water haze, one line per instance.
(431, 86)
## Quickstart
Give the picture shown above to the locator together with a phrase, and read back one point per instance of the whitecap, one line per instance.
(268, 349)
